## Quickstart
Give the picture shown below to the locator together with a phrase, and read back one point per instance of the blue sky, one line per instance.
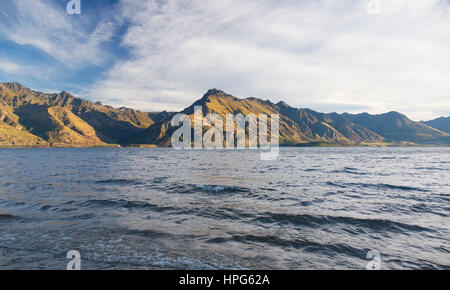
(162, 55)
(47, 49)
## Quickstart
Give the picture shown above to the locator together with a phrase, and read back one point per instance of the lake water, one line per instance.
(312, 208)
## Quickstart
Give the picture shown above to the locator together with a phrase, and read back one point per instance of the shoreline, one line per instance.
(306, 145)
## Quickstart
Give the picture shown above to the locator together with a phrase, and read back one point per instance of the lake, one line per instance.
(312, 208)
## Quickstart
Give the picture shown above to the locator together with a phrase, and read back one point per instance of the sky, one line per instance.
(331, 56)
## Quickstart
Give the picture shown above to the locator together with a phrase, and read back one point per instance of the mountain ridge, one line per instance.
(35, 119)
(442, 124)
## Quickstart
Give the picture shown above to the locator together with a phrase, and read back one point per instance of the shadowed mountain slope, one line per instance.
(397, 127)
(442, 124)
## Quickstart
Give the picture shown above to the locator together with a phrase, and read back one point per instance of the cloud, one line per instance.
(45, 24)
(304, 52)
(9, 67)
(154, 55)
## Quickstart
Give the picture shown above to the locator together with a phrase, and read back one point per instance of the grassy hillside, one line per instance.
(12, 137)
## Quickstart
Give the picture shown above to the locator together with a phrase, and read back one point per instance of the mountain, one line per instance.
(442, 124)
(305, 126)
(395, 127)
(29, 118)
(297, 126)
(64, 120)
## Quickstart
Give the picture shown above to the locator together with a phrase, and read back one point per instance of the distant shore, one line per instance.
(312, 144)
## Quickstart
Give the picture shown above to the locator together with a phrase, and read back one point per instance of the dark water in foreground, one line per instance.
(313, 208)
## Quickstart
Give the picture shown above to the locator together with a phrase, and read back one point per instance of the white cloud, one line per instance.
(15, 70)
(9, 67)
(304, 52)
(45, 25)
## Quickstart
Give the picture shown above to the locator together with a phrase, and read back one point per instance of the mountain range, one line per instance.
(34, 119)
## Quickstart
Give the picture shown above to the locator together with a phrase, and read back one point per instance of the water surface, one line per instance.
(313, 208)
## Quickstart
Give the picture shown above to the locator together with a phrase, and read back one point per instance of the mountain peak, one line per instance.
(13, 86)
(65, 94)
(394, 113)
(282, 104)
(215, 92)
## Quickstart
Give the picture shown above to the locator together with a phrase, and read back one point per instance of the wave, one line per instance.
(431, 168)
(159, 179)
(120, 181)
(379, 186)
(302, 244)
(147, 233)
(6, 218)
(349, 170)
(204, 188)
(335, 184)
(324, 220)
(218, 213)
(220, 188)
(121, 203)
(419, 264)
(12, 203)
(399, 187)
(424, 208)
